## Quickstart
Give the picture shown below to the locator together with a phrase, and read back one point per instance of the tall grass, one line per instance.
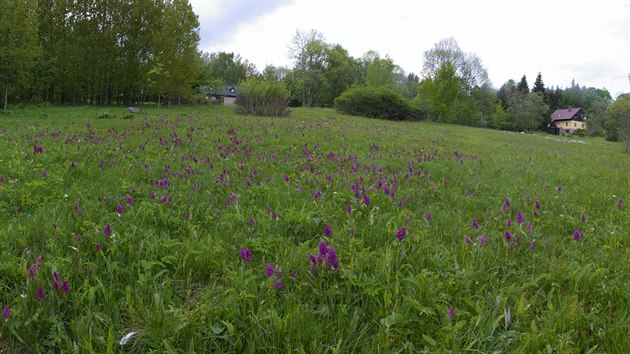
(448, 238)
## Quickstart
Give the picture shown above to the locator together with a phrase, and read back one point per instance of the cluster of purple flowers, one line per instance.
(271, 271)
(246, 254)
(401, 233)
(162, 183)
(327, 256)
(63, 287)
(35, 267)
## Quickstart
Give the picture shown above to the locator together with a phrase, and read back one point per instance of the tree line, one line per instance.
(98, 52)
(128, 51)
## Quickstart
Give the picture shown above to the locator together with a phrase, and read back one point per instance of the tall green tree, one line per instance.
(539, 85)
(175, 49)
(310, 53)
(527, 112)
(18, 40)
(467, 66)
(617, 121)
(522, 86)
(340, 74)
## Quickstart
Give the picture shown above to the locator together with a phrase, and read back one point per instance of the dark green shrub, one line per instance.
(106, 115)
(377, 102)
(262, 98)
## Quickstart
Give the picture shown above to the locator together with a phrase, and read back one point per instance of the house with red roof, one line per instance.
(568, 121)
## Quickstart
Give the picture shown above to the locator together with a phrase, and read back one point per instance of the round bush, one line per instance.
(377, 102)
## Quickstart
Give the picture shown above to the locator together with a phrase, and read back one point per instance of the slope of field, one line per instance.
(196, 230)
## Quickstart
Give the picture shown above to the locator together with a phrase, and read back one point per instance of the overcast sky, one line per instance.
(585, 40)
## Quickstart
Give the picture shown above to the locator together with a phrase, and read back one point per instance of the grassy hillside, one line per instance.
(192, 229)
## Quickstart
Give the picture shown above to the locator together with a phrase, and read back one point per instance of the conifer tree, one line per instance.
(522, 86)
(539, 86)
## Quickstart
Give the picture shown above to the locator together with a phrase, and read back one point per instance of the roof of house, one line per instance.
(565, 114)
(227, 90)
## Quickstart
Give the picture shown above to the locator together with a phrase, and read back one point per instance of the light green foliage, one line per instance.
(175, 48)
(262, 98)
(618, 121)
(467, 66)
(170, 271)
(340, 74)
(310, 52)
(443, 94)
(224, 69)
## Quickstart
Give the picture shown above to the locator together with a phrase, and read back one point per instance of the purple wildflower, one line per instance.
(366, 200)
(349, 209)
(559, 188)
(508, 235)
(79, 239)
(429, 216)
(323, 249)
(529, 227)
(331, 258)
(531, 246)
(312, 259)
(269, 270)
(509, 223)
(352, 232)
(119, 208)
(6, 313)
(401, 233)
(245, 254)
(577, 235)
(483, 239)
(293, 273)
(317, 194)
(520, 218)
(537, 205)
(129, 200)
(107, 230)
(517, 240)
(40, 294)
(65, 287)
(327, 230)
(467, 240)
(474, 224)
(278, 284)
(250, 221)
(451, 313)
(619, 203)
(97, 246)
(583, 218)
(32, 271)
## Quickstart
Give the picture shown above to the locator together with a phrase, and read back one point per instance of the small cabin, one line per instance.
(222, 94)
(567, 121)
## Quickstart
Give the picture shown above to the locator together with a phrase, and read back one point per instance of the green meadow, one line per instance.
(192, 229)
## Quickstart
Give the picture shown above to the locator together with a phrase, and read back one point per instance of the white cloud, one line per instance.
(583, 40)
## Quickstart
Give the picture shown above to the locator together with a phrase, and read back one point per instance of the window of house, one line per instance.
(575, 124)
